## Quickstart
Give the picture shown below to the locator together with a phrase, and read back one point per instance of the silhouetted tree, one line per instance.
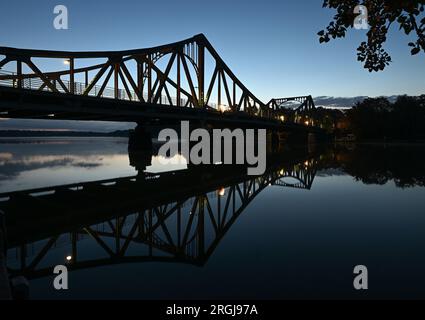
(381, 15)
(379, 119)
(369, 118)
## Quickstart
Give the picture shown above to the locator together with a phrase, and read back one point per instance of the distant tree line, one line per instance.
(378, 118)
(378, 165)
(55, 133)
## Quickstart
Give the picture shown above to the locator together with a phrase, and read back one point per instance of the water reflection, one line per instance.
(404, 165)
(175, 216)
(33, 162)
(181, 215)
(184, 225)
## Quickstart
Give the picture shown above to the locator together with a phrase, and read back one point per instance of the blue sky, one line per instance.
(271, 46)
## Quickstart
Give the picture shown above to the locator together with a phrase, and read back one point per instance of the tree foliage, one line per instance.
(382, 14)
(377, 118)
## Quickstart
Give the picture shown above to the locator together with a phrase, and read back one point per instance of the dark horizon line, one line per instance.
(16, 133)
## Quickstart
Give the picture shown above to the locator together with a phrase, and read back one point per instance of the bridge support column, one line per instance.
(140, 138)
(140, 148)
(274, 140)
(298, 138)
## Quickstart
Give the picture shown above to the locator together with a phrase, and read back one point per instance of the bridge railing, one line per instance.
(79, 89)
(63, 86)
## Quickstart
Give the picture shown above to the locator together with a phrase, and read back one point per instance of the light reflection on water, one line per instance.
(300, 237)
(38, 162)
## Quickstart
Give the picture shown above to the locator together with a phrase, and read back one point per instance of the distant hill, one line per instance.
(337, 102)
(55, 133)
(343, 102)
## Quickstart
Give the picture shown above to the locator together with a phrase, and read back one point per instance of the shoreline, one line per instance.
(394, 143)
(60, 134)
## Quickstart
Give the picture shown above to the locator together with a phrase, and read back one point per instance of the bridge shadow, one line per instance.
(172, 217)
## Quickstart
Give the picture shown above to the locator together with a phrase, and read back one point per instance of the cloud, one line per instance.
(12, 167)
(342, 102)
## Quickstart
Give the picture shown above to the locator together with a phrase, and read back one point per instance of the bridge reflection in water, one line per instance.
(178, 216)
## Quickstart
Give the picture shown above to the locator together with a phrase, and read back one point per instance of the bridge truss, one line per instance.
(175, 75)
(184, 231)
(188, 74)
(307, 103)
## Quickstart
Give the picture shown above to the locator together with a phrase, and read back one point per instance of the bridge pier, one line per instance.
(305, 138)
(140, 138)
(311, 138)
(140, 148)
(276, 139)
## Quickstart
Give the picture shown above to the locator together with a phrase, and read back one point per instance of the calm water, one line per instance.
(296, 232)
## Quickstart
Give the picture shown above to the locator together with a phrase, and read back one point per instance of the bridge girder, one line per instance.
(173, 75)
(189, 74)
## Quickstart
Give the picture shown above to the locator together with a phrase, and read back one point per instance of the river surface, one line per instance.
(296, 232)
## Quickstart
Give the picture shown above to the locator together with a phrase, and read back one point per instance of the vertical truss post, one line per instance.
(116, 74)
(201, 227)
(117, 235)
(201, 74)
(71, 76)
(87, 78)
(234, 107)
(19, 73)
(149, 58)
(150, 232)
(219, 90)
(140, 80)
(179, 53)
(179, 227)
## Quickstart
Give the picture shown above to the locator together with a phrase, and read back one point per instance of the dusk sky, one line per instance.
(272, 46)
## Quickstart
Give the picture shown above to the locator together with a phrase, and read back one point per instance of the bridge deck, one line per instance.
(186, 80)
(48, 105)
(30, 104)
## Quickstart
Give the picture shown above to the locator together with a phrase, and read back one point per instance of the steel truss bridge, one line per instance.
(306, 103)
(182, 80)
(133, 220)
